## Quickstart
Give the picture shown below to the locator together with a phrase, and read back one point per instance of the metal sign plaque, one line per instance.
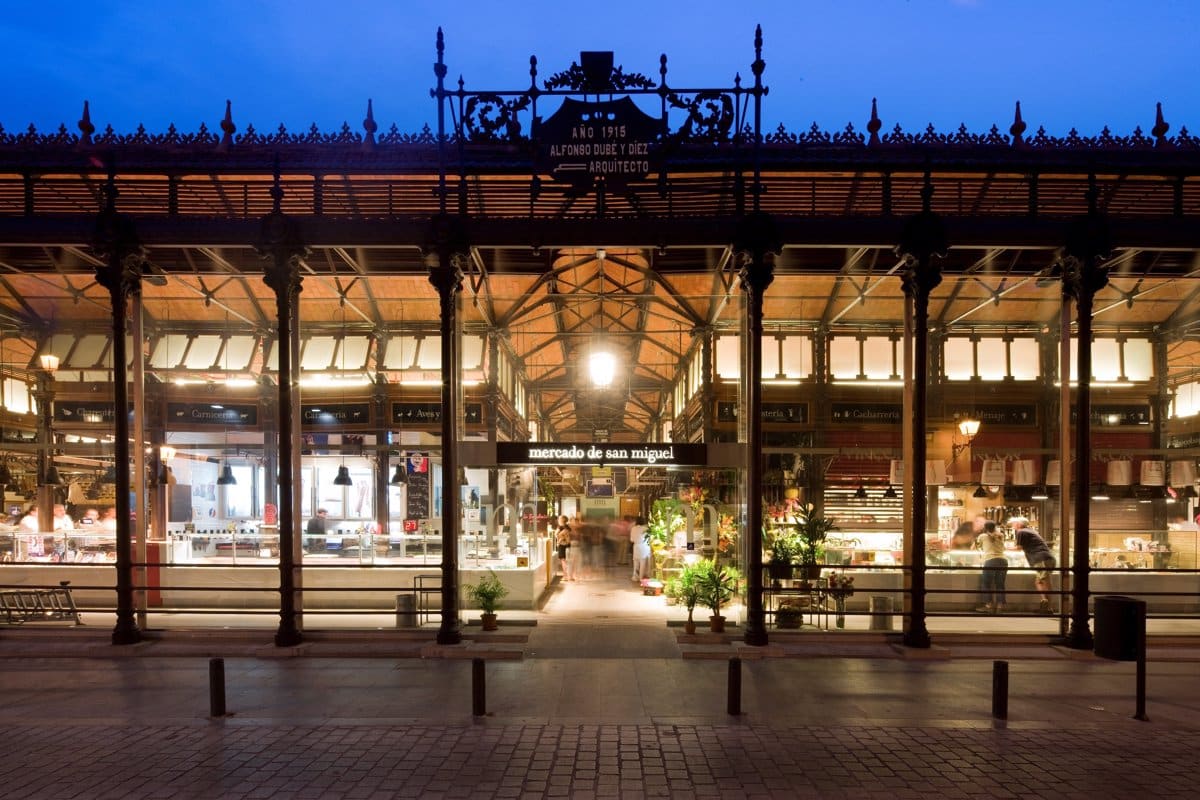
(334, 414)
(231, 415)
(586, 142)
(663, 454)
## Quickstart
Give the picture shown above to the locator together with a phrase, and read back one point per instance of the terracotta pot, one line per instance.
(489, 622)
(716, 624)
(689, 627)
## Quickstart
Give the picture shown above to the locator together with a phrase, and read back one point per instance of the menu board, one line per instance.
(416, 504)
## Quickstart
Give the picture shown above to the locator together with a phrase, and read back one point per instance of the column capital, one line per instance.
(755, 241)
(280, 241)
(115, 241)
(922, 239)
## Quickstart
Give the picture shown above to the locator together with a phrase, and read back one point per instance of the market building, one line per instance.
(584, 296)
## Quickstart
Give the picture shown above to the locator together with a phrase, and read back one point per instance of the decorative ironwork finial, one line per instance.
(533, 73)
(662, 69)
(370, 126)
(874, 124)
(759, 65)
(1161, 126)
(1017, 128)
(439, 67)
(86, 128)
(227, 127)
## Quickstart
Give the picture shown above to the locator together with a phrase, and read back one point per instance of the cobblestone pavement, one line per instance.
(240, 759)
(134, 727)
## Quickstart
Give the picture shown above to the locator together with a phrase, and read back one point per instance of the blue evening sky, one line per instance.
(1071, 63)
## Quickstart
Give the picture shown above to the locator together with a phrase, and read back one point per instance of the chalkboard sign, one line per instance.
(417, 500)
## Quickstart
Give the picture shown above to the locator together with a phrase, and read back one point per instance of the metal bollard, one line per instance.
(478, 688)
(216, 687)
(734, 701)
(1000, 690)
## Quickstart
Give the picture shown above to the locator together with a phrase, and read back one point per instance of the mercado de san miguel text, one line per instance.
(321, 380)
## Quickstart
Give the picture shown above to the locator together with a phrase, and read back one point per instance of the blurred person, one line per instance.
(1038, 554)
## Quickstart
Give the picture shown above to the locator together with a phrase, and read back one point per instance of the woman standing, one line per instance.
(562, 543)
(995, 570)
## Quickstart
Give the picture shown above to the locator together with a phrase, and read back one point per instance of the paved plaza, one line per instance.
(594, 700)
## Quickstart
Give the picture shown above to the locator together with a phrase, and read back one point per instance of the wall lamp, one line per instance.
(968, 428)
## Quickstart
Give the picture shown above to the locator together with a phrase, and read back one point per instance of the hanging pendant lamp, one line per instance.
(399, 476)
(890, 492)
(861, 492)
(979, 491)
(343, 477)
(52, 478)
(227, 478)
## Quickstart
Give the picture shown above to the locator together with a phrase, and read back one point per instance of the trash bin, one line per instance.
(881, 612)
(1120, 627)
(406, 611)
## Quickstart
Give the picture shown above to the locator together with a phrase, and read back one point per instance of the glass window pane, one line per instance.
(203, 352)
(729, 357)
(430, 354)
(1139, 360)
(959, 355)
(1187, 400)
(401, 352)
(472, 352)
(844, 358)
(87, 351)
(168, 351)
(1023, 354)
(317, 353)
(993, 358)
(239, 497)
(352, 353)
(16, 396)
(797, 356)
(770, 357)
(271, 361)
(878, 355)
(1106, 360)
(329, 495)
(238, 352)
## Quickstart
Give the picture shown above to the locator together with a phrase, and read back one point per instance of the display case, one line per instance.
(864, 548)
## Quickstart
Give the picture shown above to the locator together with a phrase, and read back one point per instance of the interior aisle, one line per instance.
(604, 615)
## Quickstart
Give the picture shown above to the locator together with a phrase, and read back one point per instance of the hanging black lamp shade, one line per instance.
(980, 491)
(52, 478)
(861, 492)
(890, 492)
(399, 476)
(343, 477)
(227, 478)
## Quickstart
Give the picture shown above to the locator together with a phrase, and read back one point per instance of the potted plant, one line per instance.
(666, 518)
(718, 584)
(812, 529)
(784, 545)
(487, 594)
(789, 614)
(685, 588)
